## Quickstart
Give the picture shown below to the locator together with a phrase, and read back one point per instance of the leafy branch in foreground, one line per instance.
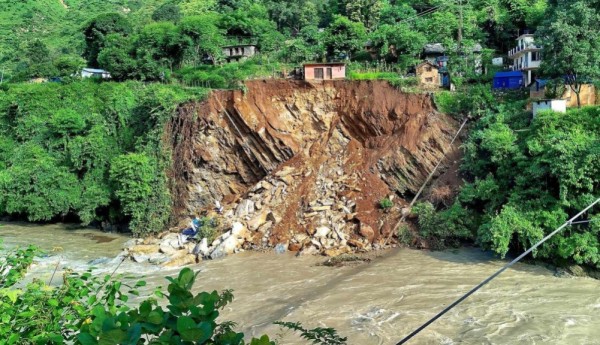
(90, 310)
(317, 335)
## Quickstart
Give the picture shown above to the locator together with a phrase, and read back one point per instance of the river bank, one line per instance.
(370, 303)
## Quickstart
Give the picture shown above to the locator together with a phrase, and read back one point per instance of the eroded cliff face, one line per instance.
(306, 164)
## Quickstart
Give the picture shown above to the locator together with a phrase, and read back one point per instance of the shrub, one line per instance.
(386, 204)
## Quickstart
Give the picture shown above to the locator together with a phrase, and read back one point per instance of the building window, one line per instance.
(535, 56)
(428, 69)
(429, 80)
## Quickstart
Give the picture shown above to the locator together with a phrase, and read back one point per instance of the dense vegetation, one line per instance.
(91, 310)
(86, 149)
(150, 39)
(526, 177)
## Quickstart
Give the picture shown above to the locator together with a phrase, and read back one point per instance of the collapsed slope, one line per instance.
(306, 164)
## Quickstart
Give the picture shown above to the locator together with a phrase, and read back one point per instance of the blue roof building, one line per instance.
(508, 80)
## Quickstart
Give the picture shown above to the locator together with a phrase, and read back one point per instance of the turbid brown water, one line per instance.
(372, 303)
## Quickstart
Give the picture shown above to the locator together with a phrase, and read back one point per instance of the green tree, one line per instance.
(296, 14)
(117, 57)
(168, 12)
(97, 30)
(36, 185)
(204, 37)
(69, 65)
(571, 43)
(162, 42)
(344, 37)
(398, 43)
(364, 11)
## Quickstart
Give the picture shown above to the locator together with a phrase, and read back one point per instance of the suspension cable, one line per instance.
(504, 268)
(414, 200)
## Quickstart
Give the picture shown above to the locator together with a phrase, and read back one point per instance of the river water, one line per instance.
(370, 303)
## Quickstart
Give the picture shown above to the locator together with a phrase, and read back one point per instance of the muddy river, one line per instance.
(371, 303)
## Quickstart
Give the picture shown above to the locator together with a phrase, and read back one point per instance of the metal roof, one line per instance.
(508, 74)
(94, 70)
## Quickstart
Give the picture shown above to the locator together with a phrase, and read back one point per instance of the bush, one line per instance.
(386, 204)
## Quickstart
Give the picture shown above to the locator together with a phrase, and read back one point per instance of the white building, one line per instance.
(557, 105)
(526, 57)
(94, 73)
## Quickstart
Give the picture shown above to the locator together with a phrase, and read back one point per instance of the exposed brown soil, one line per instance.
(289, 157)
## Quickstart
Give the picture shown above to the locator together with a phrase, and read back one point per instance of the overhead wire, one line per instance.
(490, 278)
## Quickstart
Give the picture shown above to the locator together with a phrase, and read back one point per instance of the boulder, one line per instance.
(332, 252)
(169, 247)
(202, 248)
(367, 231)
(228, 246)
(139, 258)
(258, 220)
(322, 232)
(245, 208)
(144, 249)
(356, 243)
(187, 259)
(158, 259)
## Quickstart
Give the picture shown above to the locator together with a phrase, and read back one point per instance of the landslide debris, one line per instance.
(305, 165)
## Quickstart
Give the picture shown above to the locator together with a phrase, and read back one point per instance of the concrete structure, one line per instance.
(239, 52)
(587, 95)
(508, 80)
(557, 105)
(95, 73)
(498, 61)
(324, 71)
(526, 57)
(428, 75)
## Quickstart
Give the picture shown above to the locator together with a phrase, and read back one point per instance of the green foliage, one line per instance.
(447, 228)
(319, 335)
(570, 32)
(57, 161)
(526, 183)
(87, 309)
(386, 204)
(167, 12)
(98, 29)
(14, 266)
(344, 37)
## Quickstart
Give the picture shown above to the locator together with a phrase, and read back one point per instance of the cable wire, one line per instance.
(504, 268)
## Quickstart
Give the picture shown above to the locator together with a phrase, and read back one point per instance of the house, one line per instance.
(557, 105)
(526, 57)
(587, 93)
(433, 51)
(324, 71)
(428, 75)
(239, 52)
(508, 80)
(95, 73)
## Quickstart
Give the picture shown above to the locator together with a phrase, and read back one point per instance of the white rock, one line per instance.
(237, 229)
(322, 231)
(169, 247)
(225, 248)
(202, 248)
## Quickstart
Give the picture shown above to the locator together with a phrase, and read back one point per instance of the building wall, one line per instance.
(429, 76)
(337, 71)
(558, 105)
(587, 95)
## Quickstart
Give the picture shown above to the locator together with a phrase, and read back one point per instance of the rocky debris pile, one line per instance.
(174, 250)
(304, 166)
